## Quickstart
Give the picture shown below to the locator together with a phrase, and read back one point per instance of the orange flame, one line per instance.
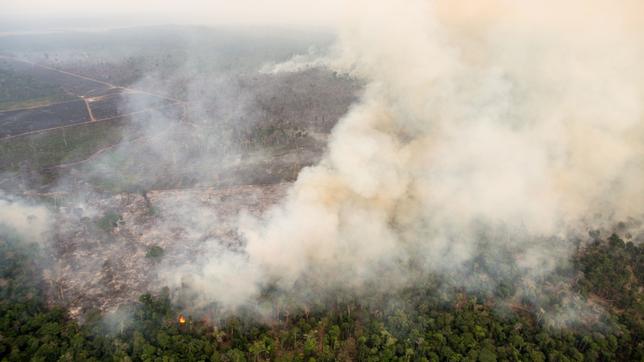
(182, 319)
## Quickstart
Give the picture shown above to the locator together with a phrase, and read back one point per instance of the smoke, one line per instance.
(486, 138)
(26, 221)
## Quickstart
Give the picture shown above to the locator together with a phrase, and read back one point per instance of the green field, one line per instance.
(34, 102)
(64, 145)
(19, 90)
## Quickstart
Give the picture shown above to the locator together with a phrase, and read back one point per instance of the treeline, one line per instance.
(419, 326)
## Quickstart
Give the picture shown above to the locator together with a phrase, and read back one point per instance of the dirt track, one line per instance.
(23, 114)
(76, 124)
(110, 85)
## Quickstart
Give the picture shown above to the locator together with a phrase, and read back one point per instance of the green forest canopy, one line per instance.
(426, 328)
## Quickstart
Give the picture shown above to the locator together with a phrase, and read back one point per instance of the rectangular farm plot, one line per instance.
(17, 122)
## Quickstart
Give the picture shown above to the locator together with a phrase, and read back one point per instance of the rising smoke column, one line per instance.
(500, 129)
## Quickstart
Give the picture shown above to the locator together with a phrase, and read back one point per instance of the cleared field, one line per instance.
(19, 89)
(63, 145)
(32, 119)
(31, 92)
(33, 103)
(50, 78)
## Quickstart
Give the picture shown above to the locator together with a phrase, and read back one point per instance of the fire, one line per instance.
(182, 319)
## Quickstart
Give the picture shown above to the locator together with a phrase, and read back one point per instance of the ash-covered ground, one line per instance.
(102, 268)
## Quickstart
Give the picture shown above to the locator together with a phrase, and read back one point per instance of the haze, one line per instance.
(255, 12)
(426, 180)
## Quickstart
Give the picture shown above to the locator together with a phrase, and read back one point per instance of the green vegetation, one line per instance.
(64, 145)
(614, 272)
(155, 252)
(22, 91)
(109, 221)
(419, 325)
(33, 102)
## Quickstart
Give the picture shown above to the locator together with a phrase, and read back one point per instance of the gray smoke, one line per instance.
(25, 220)
(495, 133)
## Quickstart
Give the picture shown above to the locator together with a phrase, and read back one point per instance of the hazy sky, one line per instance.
(261, 12)
(290, 12)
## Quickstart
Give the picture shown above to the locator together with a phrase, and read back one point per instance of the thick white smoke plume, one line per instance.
(500, 129)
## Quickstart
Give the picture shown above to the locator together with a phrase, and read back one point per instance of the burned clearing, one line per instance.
(101, 264)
